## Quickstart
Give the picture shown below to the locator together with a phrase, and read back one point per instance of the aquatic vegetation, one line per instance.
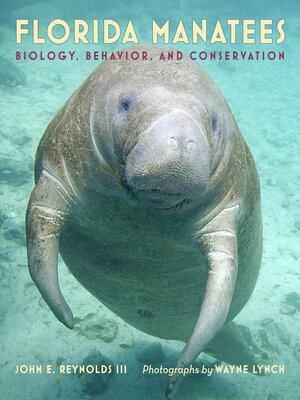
(276, 331)
(106, 330)
(3, 217)
(14, 172)
(291, 304)
(96, 383)
(15, 234)
(10, 74)
(151, 354)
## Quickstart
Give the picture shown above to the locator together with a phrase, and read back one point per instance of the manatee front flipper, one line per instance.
(218, 240)
(48, 206)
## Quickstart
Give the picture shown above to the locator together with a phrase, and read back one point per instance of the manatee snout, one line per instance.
(170, 161)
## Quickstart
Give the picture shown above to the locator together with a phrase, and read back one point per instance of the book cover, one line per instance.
(168, 127)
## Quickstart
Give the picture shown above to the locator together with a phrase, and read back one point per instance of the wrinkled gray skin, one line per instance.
(148, 190)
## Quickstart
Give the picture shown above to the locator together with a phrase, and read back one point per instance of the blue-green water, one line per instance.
(264, 98)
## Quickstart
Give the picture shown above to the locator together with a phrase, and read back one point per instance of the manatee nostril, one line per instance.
(173, 142)
(191, 145)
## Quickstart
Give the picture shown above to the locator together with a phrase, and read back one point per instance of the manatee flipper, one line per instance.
(219, 243)
(48, 207)
(229, 345)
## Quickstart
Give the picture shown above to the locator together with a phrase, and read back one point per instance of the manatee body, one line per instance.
(147, 189)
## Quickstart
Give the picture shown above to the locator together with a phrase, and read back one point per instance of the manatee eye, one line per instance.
(214, 123)
(124, 105)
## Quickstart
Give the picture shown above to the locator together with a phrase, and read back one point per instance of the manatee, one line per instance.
(147, 189)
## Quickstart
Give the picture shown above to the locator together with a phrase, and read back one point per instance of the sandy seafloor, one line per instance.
(264, 98)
